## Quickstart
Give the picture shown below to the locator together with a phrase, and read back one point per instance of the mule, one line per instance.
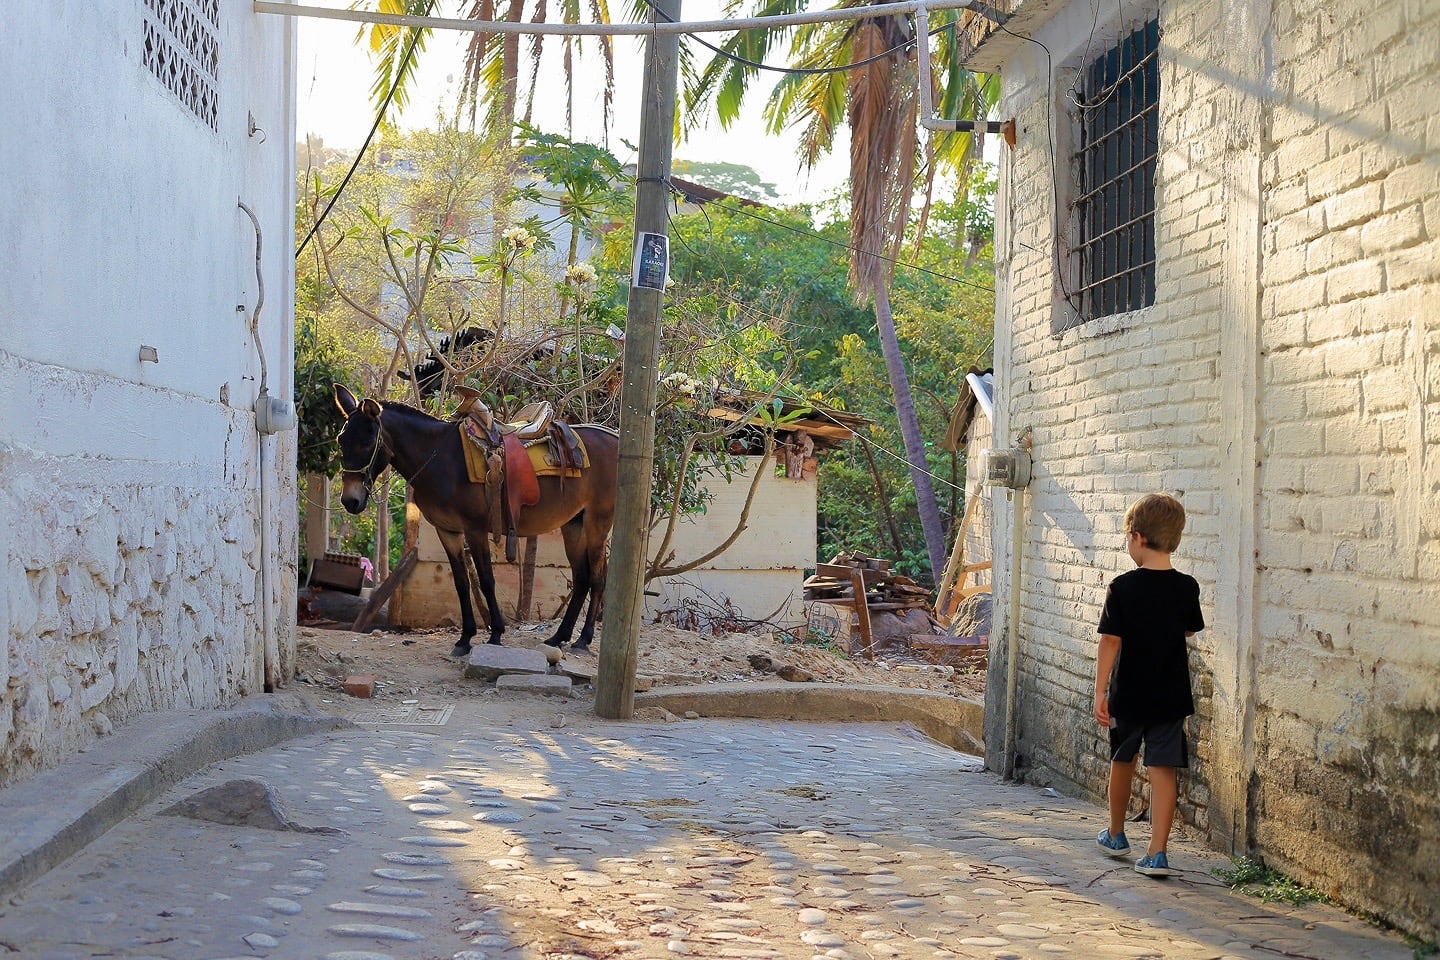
(427, 452)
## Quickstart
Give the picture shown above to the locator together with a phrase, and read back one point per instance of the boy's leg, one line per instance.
(1164, 794)
(1121, 776)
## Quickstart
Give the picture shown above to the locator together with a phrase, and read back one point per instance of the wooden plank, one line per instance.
(953, 569)
(862, 612)
(816, 428)
(843, 572)
(382, 593)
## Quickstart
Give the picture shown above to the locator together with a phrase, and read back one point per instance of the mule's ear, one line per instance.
(371, 408)
(344, 399)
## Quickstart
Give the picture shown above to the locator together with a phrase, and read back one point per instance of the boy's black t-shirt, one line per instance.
(1151, 611)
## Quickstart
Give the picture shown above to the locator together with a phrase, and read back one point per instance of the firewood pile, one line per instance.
(883, 590)
(889, 594)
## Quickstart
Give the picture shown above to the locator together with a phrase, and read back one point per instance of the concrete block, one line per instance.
(489, 661)
(362, 687)
(532, 683)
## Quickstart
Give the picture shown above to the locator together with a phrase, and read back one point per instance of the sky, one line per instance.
(335, 75)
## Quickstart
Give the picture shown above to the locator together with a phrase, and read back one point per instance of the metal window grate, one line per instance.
(1119, 130)
(182, 49)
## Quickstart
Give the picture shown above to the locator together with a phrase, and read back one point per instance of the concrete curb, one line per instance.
(58, 811)
(954, 721)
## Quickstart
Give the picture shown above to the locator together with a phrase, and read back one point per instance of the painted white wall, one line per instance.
(139, 570)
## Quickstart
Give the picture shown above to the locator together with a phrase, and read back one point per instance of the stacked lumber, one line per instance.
(883, 590)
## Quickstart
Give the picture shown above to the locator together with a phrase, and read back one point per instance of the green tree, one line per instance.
(774, 262)
(873, 85)
(732, 178)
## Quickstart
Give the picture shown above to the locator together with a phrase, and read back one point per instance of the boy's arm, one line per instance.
(1104, 666)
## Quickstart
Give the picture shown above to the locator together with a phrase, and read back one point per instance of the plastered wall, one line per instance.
(148, 531)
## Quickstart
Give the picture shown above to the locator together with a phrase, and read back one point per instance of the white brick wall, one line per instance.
(1286, 386)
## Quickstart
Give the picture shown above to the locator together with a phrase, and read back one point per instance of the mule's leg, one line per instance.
(598, 574)
(480, 557)
(596, 523)
(574, 536)
(454, 551)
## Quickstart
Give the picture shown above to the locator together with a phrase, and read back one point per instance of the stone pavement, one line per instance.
(495, 838)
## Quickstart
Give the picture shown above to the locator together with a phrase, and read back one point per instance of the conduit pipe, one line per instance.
(928, 120)
(612, 29)
(270, 665)
(1012, 627)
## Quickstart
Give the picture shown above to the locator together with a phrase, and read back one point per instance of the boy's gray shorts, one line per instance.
(1165, 744)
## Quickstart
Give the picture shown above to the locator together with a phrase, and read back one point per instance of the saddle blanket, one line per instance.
(477, 446)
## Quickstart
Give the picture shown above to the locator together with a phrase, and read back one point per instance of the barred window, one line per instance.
(1115, 209)
(182, 49)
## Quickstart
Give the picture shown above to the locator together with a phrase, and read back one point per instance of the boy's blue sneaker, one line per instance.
(1116, 846)
(1154, 865)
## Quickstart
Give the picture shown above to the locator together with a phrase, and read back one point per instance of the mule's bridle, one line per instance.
(367, 477)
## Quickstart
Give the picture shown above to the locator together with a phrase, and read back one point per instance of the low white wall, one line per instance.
(760, 575)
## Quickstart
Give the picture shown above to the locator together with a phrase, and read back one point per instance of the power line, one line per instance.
(379, 118)
(798, 71)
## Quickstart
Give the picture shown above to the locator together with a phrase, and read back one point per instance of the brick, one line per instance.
(1353, 206)
(1287, 298)
(1333, 321)
(1334, 249)
(1328, 178)
(1393, 231)
(360, 686)
(1362, 279)
(1383, 390)
(1413, 265)
(1410, 184)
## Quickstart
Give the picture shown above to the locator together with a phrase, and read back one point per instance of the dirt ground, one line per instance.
(415, 667)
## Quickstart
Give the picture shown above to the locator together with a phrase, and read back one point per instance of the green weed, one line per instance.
(1271, 886)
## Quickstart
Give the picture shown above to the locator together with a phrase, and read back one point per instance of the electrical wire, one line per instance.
(379, 118)
(797, 71)
(1065, 292)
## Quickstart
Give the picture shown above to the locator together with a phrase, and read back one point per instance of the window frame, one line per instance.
(1115, 108)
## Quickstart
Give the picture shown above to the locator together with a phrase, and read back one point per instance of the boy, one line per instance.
(1142, 677)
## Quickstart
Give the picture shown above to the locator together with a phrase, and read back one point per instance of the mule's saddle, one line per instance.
(497, 452)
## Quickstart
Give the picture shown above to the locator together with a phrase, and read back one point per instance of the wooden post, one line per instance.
(624, 594)
(862, 611)
(527, 580)
(383, 592)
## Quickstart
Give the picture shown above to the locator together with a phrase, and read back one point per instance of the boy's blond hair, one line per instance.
(1159, 519)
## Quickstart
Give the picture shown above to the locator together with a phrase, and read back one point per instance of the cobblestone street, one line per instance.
(483, 840)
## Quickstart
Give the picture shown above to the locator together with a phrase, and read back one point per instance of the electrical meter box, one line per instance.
(1007, 468)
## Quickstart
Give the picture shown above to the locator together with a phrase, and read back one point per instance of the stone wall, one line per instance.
(1284, 386)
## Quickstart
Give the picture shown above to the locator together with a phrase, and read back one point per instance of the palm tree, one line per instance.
(879, 98)
(491, 75)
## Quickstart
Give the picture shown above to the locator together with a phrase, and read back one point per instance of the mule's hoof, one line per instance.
(494, 640)
(461, 650)
(552, 642)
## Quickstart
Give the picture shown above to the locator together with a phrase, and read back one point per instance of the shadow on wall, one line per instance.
(1072, 522)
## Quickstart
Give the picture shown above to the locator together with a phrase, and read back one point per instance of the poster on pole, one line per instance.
(652, 261)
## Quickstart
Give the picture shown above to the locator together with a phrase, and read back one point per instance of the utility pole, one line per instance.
(625, 588)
